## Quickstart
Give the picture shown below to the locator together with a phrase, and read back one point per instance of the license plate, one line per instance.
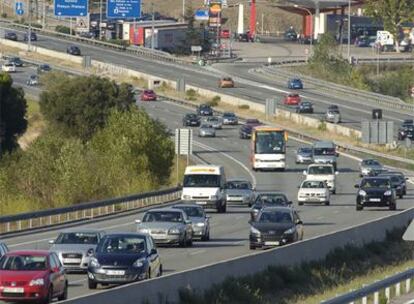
(72, 261)
(13, 289)
(201, 203)
(115, 272)
(271, 243)
(374, 199)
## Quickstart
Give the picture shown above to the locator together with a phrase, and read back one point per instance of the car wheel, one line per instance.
(92, 284)
(405, 192)
(206, 236)
(160, 271)
(327, 203)
(334, 191)
(401, 195)
(64, 295)
(183, 242)
(359, 207)
(190, 242)
(49, 296)
(300, 203)
(393, 206)
(252, 247)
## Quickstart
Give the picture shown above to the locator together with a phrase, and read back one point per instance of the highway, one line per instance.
(229, 232)
(249, 86)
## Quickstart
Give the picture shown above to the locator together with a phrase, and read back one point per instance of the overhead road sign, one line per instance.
(19, 8)
(71, 8)
(201, 14)
(123, 9)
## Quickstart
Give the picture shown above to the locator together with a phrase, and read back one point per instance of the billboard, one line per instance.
(201, 14)
(71, 8)
(123, 9)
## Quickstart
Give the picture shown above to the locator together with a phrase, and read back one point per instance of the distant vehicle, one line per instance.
(226, 82)
(200, 221)
(402, 179)
(311, 191)
(324, 152)
(245, 131)
(148, 95)
(32, 81)
(240, 191)
(43, 68)
(244, 37)
(375, 192)
(253, 122)
(206, 130)
(292, 99)
(304, 155)
(214, 121)
(75, 247)
(229, 118)
(89, 35)
(290, 35)
(332, 114)
(16, 60)
(325, 173)
(3, 249)
(295, 84)
(406, 130)
(10, 36)
(32, 276)
(225, 34)
(268, 199)
(370, 167)
(73, 50)
(191, 119)
(397, 183)
(304, 107)
(33, 36)
(268, 148)
(124, 258)
(362, 41)
(167, 226)
(8, 67)
(204, 110)
(204, 185)
(275, 226)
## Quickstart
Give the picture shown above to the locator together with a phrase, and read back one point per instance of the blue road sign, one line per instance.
(201, 14)
(71, 8)
(19, 8)
(123, 9)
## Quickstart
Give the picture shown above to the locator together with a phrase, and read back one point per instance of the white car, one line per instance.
(313, 191)
(8, 67)
(322, 172)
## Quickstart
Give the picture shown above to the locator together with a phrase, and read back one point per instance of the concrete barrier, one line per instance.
(165, 289)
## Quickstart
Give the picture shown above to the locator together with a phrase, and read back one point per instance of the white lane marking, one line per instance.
(77, 281)
(28, 242)
(336, 211)
(320, 218)
(197, 252)
(238, 242)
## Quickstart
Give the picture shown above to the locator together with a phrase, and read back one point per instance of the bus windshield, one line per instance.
(270, 142)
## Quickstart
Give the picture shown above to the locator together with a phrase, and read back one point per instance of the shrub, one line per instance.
(4, 15)
(214, 101)
(322, 126)
(62, 29)
(191, 94)
(244, 107)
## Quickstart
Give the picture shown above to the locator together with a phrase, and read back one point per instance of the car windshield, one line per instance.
(293, 95)
(304, 150)
(229, 115)
(149, 92)
(191, 116)
(192, 211)
(306, 104)
(163, 216)
(240, 185)
(325, 170)
(252, 121)
(271, 199)
(202, 180)
(275, 217)
(324, 151)
(77, 238)
(205, 107)
(370, 162)
(270, 142)
(122, 245)
(206, 126)
(212, 119)
(313, 184)
(375, 183)
(23, 262)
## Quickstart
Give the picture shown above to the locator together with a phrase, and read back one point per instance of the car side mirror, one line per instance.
(153, 251)
(406, 178)
(187, 222)
(51, 242)
(356, 186)
(290, 202)
(337, 154)
(254, 188)
(304, 172)
(250, 222)
(299, 222)
(138, 221)
(208, 216)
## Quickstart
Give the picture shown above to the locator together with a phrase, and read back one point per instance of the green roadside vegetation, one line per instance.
(343, 269)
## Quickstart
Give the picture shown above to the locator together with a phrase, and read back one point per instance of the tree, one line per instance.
(192, 36)
(80, 106)
(393, 13)
(13, 108)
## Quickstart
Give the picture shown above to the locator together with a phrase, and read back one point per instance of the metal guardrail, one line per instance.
(84, 211)
(375, 289)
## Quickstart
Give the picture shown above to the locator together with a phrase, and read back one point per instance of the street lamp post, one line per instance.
(349, 30)
(310, 14)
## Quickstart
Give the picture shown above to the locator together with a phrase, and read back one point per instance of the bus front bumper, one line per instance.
(269, 164)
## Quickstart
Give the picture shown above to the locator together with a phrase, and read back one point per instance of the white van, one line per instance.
(204, 185)
(322, 172)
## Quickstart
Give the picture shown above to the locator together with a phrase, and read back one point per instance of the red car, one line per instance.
(292, 99)
(225, 34)
(148, 95)
(32, 276)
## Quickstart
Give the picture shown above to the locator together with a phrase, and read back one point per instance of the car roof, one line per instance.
(187, 205)
(125, 234)
(166, 209)
(29, 252)
(277, 208)
(375, 177)
(86, 230)
(271, 192)
(238, 180)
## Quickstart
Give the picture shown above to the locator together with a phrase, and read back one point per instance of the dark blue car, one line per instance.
(295, 84)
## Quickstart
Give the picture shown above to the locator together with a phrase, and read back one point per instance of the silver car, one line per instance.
(333, 115)
(215, 121)
(199, 220)
(240, 191)
(304, 155)
(206, 130)
(167, 226)
(229, 118)
(369, 167)
(75, 247)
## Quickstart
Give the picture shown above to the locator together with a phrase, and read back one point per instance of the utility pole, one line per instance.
(152, 27)
(29, 34)
(100, 19)
(183, 9)
(349, 30)
(44, 15)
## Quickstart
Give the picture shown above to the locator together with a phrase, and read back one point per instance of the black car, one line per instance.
(268, 199)
(375, 192)
(191, 119)
(43, 68)
(245, 131)
(290, 35)
(406, 131)
(204, 110)
(304, 107)
(33, 36)
(16, 60)
(275, 226)
(10, 36)
(73, 50)
(398, 182)
(123, 258)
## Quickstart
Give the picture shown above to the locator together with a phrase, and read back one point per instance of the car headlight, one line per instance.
(362, 193)
(290, 231)
(174, 231)
(90, 252)
(139, 263)
(200, 224)
(37, 282)
(254, 231)
(388, 193)
(186, 197)
(144, 230)
(94, 263)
